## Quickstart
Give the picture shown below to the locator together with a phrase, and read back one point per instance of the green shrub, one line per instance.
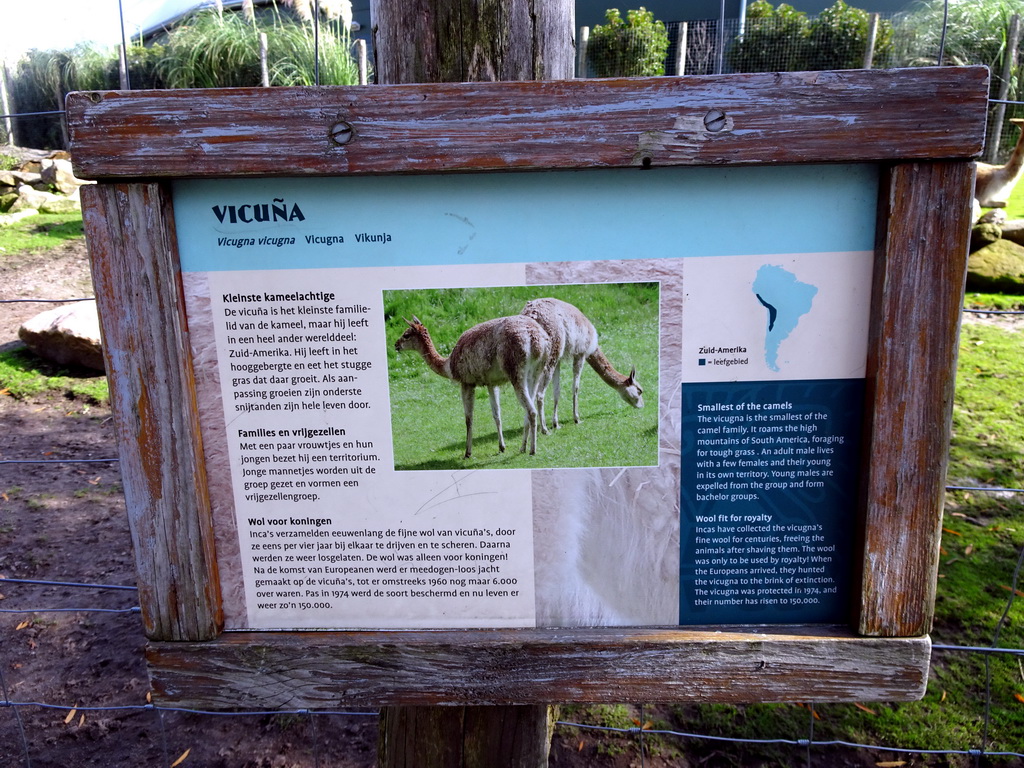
(774, 40)
(838, 38)
(634, 47)
(784, 40)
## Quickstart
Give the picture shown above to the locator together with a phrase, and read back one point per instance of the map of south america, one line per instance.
(787, 300)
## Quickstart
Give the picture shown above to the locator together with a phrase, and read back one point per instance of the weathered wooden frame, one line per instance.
(921, 126)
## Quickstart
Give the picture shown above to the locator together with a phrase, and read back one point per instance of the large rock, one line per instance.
(984, 233)
(1013, 230)
(17, 178)
(59, 175)
(30, 198)
(998, 267)
(68, 335)
(61, 205)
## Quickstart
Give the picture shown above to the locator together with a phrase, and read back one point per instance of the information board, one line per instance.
(728, 497)
(773, 265)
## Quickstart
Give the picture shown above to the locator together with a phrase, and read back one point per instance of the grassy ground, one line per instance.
(40, 232)
(427, 413)
(23, 375)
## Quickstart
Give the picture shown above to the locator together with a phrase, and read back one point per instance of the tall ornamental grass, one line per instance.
(210, 51)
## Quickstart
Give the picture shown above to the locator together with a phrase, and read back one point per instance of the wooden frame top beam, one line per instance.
(750, 119)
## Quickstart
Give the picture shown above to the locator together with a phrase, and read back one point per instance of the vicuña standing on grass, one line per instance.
(505, 350)
(993, 184)
(574, 336)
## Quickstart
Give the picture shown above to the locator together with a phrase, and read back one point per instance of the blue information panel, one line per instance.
(710, 330)
(768, 501)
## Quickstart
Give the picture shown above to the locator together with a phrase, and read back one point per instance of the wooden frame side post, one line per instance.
(134, 254)
(920, 270)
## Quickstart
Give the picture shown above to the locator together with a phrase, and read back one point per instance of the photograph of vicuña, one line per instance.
(475, 375)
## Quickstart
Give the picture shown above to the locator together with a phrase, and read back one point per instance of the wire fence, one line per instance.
(789, 41)
(703, 47)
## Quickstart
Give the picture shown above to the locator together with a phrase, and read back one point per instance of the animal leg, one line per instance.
(467, 406)
(577, 372)
(527, 400)
(539, 388)
(496, 413)
(556, 391)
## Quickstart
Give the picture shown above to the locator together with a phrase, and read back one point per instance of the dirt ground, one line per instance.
(66, 522)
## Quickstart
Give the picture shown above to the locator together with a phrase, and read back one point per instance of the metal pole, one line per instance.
(581, 52)
(945, 26)
(720, 53)
(869, 53)
(264, 69)
(126, 82)
(5, 104)
(1009, 62)
(681, 43)
(361, 61)
(316, 42)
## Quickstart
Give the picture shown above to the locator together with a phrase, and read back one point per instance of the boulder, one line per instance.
(68, 335)
(983, 234)
(59, 175)
(32, 198)
(17, 178)
(1014, 230)
(997, 267)
(61, 205)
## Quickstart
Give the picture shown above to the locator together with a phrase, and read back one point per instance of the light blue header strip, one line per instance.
(263, 224)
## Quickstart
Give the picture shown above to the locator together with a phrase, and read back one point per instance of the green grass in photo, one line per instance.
(40, 232)
(428, 426)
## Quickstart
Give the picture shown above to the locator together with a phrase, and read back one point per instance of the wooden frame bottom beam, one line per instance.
(326, 670)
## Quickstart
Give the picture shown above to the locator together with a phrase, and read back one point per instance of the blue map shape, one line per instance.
(787, 300)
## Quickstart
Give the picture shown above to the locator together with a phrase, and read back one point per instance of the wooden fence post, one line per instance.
(453, 41)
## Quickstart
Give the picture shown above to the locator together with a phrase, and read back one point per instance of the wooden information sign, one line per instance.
(765, 273)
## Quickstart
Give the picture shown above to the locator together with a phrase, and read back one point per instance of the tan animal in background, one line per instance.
(574, 337)
(994, 183)
(512, 350)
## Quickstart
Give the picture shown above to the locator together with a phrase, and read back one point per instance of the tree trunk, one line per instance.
(435, 41)
(456, 41)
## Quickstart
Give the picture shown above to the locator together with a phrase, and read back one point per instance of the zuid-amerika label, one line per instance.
(355, 338)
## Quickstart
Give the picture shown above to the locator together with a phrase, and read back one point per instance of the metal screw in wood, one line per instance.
(342, 133)
(714, 120)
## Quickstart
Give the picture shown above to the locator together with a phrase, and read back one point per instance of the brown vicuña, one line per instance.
(574, 336)
(504, 350)
(994, 183)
